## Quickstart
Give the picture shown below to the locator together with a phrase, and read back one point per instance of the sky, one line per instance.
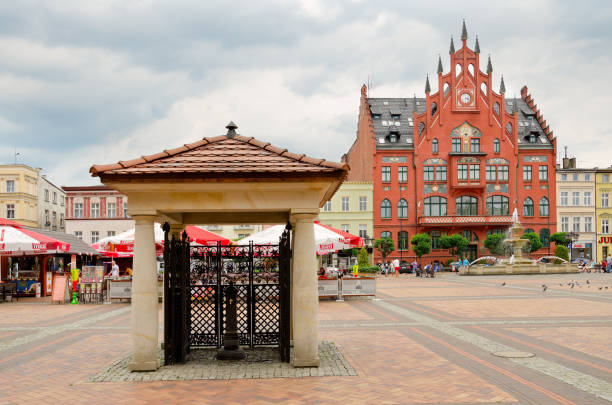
(95, 82)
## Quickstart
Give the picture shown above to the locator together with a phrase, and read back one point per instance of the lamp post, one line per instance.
(573, 238)
(369, 243)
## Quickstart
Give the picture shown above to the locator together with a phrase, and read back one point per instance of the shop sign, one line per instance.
(605, 239)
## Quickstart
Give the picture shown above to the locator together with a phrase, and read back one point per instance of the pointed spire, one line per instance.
(452, 46)
(502, 86)
(489, 65)
(464, 32)
(427, 86)
(477, 46)
(440, 69)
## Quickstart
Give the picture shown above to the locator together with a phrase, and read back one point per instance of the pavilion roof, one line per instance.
(230, 155)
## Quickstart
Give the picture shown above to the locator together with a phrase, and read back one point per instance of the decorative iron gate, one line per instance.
(261, 274)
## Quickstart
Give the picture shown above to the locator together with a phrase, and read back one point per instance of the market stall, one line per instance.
(24, 257)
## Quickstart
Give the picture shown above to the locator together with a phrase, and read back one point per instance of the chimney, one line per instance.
(572, 163)
(566, 163)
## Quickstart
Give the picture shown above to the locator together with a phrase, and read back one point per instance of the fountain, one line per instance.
(516, 263)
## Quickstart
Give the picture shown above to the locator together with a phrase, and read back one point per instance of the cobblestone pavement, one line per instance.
(420, 341)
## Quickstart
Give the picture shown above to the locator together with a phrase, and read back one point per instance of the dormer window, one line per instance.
(376, 116)
(532, 138)
(393, 137)
(410, 122)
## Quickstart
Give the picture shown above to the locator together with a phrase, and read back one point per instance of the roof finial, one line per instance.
(463, 32)
(502, 86)
(427, 86)
(231, 129)
(477, 46)
(452, 46)
(489, 65)
(440, 70)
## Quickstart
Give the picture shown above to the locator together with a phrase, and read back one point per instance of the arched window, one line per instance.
(496, 145)
(528, 207)
(435, 206)
(496, 108)
(402, 240)
(471, 69)
(497, 205)
(544, 207)
(434, 108)
(385, 209)
(545, 237)
(421, 128)
(466, 205)
(528, 230)
(434, 146)
(402, 209)
(385, 234)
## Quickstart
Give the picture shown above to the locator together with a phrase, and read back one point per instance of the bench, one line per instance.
(8, 291)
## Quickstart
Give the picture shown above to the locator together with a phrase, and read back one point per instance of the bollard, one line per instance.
(231, 341)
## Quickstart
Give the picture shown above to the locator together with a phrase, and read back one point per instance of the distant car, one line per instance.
(405, 267)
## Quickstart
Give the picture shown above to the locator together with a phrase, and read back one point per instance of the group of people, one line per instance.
(390, 267)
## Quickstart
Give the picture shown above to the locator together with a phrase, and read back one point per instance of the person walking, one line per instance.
(396, 266)
(609, 262)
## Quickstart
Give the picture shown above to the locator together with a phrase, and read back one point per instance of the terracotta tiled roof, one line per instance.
(222, 155)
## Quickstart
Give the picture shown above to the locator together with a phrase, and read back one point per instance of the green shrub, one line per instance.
(562, 252)
(369, 269)
(494, 243)
(363, 258)
(534, 241)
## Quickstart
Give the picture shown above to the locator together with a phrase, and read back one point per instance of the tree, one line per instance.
(384, 246)
(363, 258)
(455, 244)
(494, 242)
(561, 251)
(421, 244)
(560, 239)
(534, 241)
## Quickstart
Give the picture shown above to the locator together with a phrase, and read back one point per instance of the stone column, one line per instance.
(145, 329)
(304, 289)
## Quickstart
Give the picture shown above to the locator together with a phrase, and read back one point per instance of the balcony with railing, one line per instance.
(465, 220)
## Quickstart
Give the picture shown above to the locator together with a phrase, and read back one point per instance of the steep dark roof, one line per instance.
(528, 124)
(387, 107)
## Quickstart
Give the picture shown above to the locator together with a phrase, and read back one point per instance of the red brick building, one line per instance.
(459, 160)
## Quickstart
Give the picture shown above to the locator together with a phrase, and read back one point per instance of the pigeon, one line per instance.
(588, 282)
(503, 284)
(572, 286)
(561, 284)
(606, 287)
(600, 288)
(544, 288)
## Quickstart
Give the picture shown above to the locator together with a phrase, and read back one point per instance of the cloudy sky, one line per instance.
(84, 82)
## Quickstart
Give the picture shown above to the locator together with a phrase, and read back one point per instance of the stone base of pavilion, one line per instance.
(530, 268)
(260, 362)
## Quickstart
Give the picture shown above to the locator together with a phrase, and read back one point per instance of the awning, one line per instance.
(327, 239)
(16, 240)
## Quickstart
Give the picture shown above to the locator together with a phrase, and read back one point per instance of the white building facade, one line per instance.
(51, 205)
(576, 208)
(96, 212)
